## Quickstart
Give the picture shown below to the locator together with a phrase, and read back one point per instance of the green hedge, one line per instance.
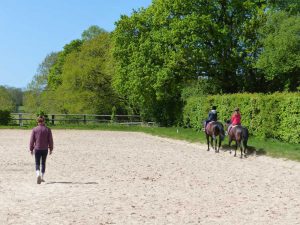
(5, 117)
(267, 116)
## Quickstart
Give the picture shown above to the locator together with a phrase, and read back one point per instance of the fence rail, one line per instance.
(55, 119)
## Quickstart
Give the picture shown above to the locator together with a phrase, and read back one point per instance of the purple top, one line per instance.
(41, 138)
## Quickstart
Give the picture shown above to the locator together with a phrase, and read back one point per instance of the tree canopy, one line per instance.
(280, 57)
(160, 49)
(76, 79)
(159, 56)
(6, 99)
(86, 78)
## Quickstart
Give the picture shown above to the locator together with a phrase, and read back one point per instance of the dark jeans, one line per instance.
(40, 154)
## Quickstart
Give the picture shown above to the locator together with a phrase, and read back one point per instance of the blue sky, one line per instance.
(32, 29)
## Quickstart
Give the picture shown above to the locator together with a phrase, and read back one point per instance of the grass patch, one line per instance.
(268, 147)
(275, 148)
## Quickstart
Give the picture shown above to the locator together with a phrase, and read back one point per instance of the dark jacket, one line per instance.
(212, 116)
(41, 138)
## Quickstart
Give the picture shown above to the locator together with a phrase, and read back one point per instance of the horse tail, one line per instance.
(222, 133)
(239, 135)
(218, 129)
(245, 136)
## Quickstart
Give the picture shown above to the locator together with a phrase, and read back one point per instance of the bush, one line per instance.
(266, 116)
(5, 117)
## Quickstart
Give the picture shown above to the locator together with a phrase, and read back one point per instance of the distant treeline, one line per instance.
(160, 56)
(10, 98)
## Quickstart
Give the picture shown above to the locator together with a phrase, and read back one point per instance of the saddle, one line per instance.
(230, 127)
(208, 126)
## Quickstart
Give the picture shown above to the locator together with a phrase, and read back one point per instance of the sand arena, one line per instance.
(97, 178)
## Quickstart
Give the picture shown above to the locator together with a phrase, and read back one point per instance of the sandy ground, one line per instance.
(99, 178)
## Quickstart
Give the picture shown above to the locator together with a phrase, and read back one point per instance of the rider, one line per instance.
(235, 119)
(212, 116)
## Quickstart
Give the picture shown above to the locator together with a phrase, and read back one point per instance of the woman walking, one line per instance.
(41, 140)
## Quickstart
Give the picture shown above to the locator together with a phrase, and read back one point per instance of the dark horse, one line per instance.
(240, 135)
(213, 130)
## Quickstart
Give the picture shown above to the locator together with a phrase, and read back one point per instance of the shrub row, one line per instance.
(5, 117)
(267, 116)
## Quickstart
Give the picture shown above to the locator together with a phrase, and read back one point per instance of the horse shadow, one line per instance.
(251, 150)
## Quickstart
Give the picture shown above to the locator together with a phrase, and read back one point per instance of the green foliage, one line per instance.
(54, 77)
(16, 95)
(76, 79)
(40, 80)
(280, 58)
(10, 98)
(161, 49)
(86, 79)
(6, 99)
(201, 87)
(92, 32)
(5, 117)
(291, 6)
(266, 116)
(33, 96)
(159, 57)
(113, 114)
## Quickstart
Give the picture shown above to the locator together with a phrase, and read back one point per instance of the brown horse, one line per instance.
(213, 130)
(240, 135)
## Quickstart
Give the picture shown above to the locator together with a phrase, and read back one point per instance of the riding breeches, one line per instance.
(40, 155)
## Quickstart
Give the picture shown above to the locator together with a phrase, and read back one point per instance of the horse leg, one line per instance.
(219, 143)
(236, 146)
(207, 138)
(245, 148)
(240, 145)
(216, 144)
(230, 140)
(241, 148)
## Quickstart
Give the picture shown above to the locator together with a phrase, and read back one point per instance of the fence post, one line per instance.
(52, 119)
(84, 118)
(20, 120)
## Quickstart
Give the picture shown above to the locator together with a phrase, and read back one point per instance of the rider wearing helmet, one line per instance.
(236, 117)
(212, 116)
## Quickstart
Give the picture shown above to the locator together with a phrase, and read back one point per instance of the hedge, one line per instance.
(266, 116)
(5, 117)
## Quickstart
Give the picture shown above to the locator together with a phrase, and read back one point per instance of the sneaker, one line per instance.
(39, 180)
(42, 180)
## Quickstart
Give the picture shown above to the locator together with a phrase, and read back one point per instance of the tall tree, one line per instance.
(86, 78)
(16, 95)
(92, 32)
(6, 100)
(280, 56)
(159, 49)
(33, 95)
(54, 78)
